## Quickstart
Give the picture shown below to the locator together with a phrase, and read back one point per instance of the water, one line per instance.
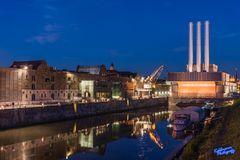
(141, 134)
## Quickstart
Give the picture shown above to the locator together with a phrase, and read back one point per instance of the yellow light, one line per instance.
(197, 89)
(75, 107)
(25, 67)
(153, 126)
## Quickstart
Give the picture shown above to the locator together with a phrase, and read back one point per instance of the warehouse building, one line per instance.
(200, 80)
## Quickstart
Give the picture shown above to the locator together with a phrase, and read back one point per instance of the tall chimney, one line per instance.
(206, 46)
(190, 48)
(198, 46)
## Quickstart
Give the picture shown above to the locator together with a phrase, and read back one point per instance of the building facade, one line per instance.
(201, 80)
(35, 82)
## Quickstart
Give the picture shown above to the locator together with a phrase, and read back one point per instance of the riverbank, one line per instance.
(222, 132)
(109, 136)
(12, 118)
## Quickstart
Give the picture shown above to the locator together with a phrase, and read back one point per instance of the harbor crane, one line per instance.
(155, 75)
(145, 86)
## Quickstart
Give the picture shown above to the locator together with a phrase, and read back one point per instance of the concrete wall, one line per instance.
(28, 116)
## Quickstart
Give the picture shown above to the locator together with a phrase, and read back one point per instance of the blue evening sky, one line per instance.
(135, 35)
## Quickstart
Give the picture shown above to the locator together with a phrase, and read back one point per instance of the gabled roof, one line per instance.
(127, 74)
(33, 64)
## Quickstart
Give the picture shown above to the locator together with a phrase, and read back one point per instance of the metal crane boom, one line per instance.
(155, 75)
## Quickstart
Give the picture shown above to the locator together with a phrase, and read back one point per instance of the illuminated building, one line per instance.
(162, 89)
(200, 80)
(35, 82)
(88, 69)
(86, 88)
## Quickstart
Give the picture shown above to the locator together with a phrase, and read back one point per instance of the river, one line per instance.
(141, 134)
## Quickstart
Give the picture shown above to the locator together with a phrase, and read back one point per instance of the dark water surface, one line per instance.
(141, 134)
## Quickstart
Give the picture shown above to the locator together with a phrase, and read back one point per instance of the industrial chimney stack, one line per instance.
(199, 47)
(190, 49)
(198, 66)
(206, 47)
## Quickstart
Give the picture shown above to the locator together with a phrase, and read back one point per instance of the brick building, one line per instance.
(30, 82)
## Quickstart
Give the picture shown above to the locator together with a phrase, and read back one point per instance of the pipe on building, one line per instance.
(206, 46)
(190, 48)
(198, 46)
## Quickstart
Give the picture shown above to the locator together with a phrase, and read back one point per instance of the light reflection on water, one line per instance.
(140, 134)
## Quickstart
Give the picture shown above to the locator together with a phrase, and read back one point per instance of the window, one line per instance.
(69, 95)
(52, 87)
(33, 78)
(52, 78)
(68, 86)
(33, 97)
(52, 96)
(33, 86)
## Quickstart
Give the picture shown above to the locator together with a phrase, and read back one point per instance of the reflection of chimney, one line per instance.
(206, 46)
(190, 48)
(198, 46)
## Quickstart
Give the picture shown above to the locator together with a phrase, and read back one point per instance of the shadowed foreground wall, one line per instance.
(28, 116)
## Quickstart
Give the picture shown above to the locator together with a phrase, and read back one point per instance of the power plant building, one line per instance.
(200, 80)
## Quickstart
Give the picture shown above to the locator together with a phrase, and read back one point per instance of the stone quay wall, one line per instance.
(12, 118)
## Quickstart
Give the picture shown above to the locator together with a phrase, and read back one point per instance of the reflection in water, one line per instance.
(175, 134)
(89, 135)
(156, 139)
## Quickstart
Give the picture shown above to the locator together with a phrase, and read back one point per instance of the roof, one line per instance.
(193, 108)
(127, 74)
(196, 113)
(197, 76)
(33, 64)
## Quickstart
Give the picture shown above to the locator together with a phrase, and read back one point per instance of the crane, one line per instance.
(145, 86)
(155, 75)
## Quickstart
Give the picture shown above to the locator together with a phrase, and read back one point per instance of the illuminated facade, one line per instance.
(201, 80)
(201, 84)
(162, 89)
(34, 82)
(87, 88)
(88, 69)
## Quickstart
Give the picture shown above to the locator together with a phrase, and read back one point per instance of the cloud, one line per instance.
(180, 49)
(47, 16)
(116, 53)
(51, 27)
(50, 31)
(75, 27)
(49, 7)
(229, 35)
(45, 38)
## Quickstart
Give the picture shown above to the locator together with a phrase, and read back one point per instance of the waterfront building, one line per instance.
(38, 82)
(200, 80)
(35, 82)
(162, 88)
(89, 69)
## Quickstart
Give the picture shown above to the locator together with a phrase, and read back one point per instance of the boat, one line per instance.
(181, 122)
